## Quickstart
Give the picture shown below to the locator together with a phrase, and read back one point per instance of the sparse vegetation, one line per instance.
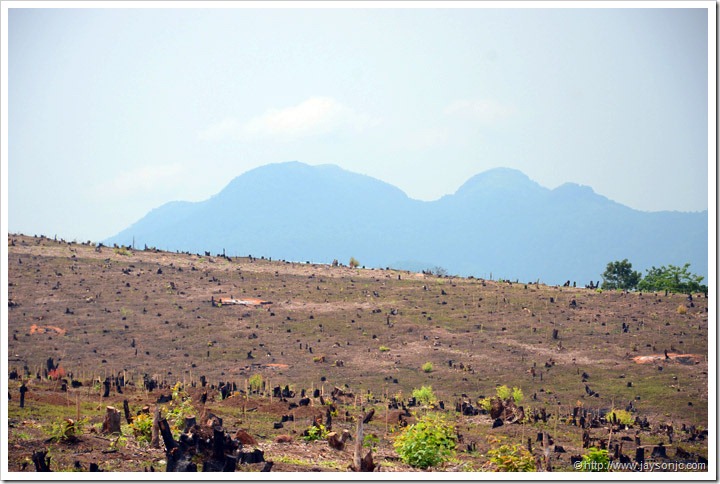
(510, 457)
(595, 460)
(621, 416)
(424, 395)
(66, 430)
(315, 432)
(478, 334)
(255, 382)
(427, 443)
(354, 263)
(427, 367)
(141, 427)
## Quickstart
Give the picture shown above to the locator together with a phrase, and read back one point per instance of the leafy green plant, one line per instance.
(504, 392)
(384, 349)
(511, 458)
(596, 460)
(141, 427)
(427, 443)
(255, 382)
(371, 441)
(315, 432)
(486, 404)
(424, 395)
(427, 367)
(179, 409)
(517, 395)
(621, 416)
(66, 430)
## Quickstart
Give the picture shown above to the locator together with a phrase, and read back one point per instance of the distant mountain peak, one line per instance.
(498, 180)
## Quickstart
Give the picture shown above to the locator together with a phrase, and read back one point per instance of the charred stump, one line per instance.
(41, 461)
(111, 422)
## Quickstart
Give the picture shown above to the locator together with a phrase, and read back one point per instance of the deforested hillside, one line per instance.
(270, 346)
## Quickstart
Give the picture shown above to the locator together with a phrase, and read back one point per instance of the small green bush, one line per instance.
(504, 392)
(66, 430)
(517, 395)
(596, 460)
(622, 416)
(255, 382)
(384, 349)
(427, 367)
(141, 427)
(512, 458)
(315, 432)
(427, 443)
(424, 395)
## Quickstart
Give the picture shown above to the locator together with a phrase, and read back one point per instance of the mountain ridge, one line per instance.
(499, 222)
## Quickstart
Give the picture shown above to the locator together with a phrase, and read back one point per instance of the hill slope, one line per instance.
(498, 224)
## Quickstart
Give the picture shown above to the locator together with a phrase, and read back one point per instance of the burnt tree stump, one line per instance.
(111, 422)
(23, 390)
(126, 409)
(41, 461)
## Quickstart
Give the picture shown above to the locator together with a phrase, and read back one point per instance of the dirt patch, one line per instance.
(686, 359)
(35, 329)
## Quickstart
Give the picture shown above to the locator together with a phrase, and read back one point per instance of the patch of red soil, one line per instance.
(35, 329)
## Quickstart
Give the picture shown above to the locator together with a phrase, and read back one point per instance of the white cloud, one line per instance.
(313, 117)
(482, 110)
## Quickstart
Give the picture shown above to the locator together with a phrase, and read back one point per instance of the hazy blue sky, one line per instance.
(113, 112)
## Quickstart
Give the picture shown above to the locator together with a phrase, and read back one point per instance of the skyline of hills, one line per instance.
(498, 224)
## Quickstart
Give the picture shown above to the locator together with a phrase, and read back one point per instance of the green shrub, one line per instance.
(512, 458)
(517, 395)
(486, 404)
(315, 432)
(255, 382)
(66, 430)
(622, 416)
(424, 395)
(596, 460)
(179, 409)
(427, 443)
(504, 392)
(384, 349)
(141, 427)
(427, 367)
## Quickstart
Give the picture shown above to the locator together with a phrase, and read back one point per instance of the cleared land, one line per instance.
(110, 312)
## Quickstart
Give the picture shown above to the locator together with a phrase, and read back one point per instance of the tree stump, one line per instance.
(189, 423)
(111, 422)
(41, 461)
(23, 390)
(126, 409)
(155, 436)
